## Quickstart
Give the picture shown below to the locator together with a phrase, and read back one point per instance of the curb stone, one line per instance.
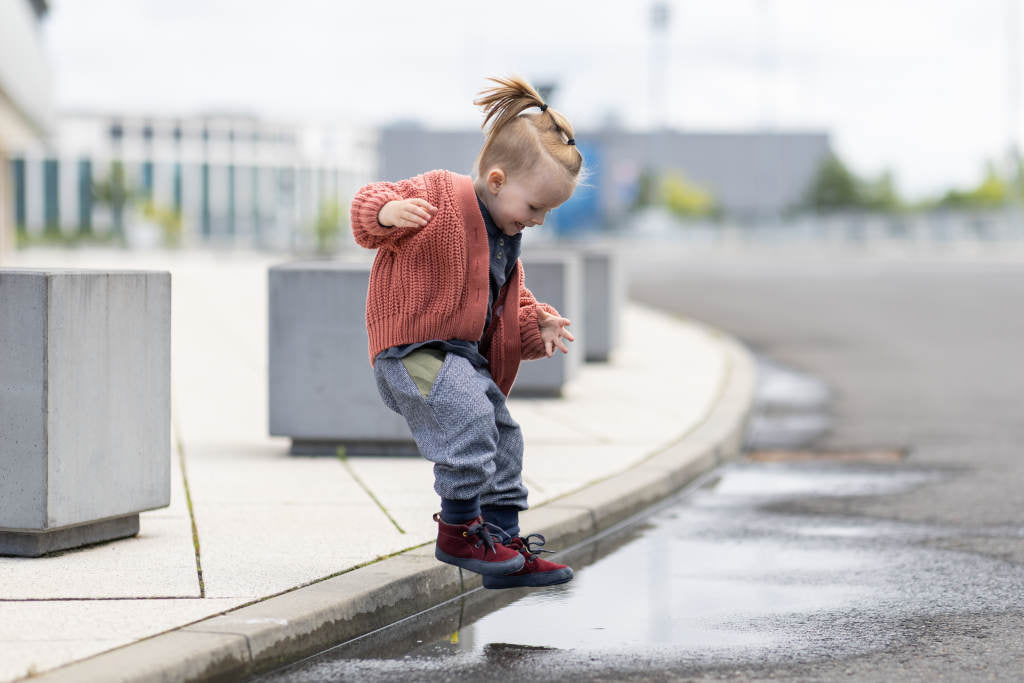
(287, 627)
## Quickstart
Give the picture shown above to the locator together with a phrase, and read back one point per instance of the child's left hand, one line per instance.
(552, 331)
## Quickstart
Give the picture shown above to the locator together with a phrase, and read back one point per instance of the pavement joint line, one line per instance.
(108, 599)
(179, 441)
(362, 485)
(188, 501)
(533, 484)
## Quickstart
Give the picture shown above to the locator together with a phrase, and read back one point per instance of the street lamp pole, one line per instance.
(659, 96)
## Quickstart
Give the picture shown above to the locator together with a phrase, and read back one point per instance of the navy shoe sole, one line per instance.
(487, 569)
(535, 580)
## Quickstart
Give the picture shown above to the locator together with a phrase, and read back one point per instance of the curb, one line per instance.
(268, 634)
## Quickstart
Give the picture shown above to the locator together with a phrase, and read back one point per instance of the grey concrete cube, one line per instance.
(555, 278)
(322, 391)
(604, 297)
(84, 405)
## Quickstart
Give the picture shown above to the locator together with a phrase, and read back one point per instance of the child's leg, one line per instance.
(503, 498)
(452, 419)
(505, 494)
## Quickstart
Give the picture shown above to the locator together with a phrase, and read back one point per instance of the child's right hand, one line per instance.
(406, 213)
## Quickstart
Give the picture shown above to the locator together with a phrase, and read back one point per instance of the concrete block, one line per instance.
(554, 278)
(322, 391)
(84, 405)
(604, 301)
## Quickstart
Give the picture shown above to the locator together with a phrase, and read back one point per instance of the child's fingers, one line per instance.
(424, 204)
(416, 216)
(549, 348)
(561, 345)
(568, 335)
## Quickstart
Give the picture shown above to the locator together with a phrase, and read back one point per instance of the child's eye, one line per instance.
(532, 207)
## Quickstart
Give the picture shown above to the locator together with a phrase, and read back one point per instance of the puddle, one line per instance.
(790, 409)
(781, 387)
(781, 481)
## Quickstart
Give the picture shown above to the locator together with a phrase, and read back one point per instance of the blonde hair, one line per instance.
(516, 141)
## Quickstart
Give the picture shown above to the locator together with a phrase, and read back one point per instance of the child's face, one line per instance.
(524, 200)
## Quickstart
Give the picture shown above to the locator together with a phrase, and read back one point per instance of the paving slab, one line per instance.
(257, 550)
(543, 428)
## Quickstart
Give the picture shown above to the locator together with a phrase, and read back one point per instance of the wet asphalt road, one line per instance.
(810, 570)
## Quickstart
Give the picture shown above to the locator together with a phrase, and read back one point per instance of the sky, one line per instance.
(925, 89)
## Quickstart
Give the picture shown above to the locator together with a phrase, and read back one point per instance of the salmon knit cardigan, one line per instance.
(433, 282)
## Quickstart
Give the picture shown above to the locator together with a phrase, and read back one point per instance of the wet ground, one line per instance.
(727, 576)
(810, 566)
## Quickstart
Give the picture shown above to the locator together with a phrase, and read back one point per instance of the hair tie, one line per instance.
(543, 108)
(571, 141)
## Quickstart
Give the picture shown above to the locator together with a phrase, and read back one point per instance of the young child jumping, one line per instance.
(449, 319)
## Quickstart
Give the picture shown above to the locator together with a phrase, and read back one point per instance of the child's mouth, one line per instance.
(520, 226)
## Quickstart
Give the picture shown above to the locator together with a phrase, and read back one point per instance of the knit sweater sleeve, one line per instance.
(369, 200)
(531, 344)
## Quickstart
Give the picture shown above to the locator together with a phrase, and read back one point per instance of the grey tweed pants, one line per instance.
(460, 423)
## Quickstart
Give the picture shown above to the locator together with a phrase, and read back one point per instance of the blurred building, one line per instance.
(226, 179)
(25, 92)
(751, 176)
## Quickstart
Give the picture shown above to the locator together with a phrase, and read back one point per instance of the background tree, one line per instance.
(328, 227)
(113, 191)
(993, 191)
(836, 188)
(684, 198)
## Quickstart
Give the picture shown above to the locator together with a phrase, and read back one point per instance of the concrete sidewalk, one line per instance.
(249, 524)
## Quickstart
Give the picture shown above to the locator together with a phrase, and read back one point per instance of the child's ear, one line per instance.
(495, 179)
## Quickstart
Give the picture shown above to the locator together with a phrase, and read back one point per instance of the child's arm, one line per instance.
(541, 328)
(383, 213)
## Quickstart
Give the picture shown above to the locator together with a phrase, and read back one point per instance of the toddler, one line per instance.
(449, 319)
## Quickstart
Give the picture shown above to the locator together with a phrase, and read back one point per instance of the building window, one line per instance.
(205, 210)
(147, 179)
(51, 194)
(18, 171)
(231, 198)
(84, 196)
(177, 187)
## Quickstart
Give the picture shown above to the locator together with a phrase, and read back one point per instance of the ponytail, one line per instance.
(515, 140)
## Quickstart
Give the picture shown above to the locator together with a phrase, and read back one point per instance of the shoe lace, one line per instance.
(488, 533)
(533, 544)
